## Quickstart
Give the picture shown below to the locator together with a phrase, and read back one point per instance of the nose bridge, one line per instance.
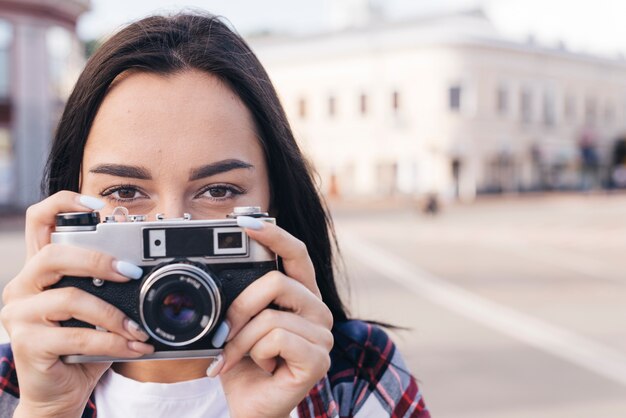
(172, 205)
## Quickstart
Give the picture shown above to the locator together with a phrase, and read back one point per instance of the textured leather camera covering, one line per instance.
(125, 296)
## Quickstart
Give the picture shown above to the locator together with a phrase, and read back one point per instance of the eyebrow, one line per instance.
(121, 170)
(217, 168)
(141, 173)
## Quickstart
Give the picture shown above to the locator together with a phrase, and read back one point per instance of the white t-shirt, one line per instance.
(120, 397)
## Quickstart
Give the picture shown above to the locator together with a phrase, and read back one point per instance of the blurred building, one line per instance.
(445, 105)
(40, 59)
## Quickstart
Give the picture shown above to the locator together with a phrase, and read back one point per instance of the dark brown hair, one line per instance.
(170, 44)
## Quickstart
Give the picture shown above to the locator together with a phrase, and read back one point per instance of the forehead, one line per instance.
(190, 117)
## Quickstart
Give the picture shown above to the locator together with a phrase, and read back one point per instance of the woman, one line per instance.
(176, 115)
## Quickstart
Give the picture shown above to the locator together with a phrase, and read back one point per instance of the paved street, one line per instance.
(514, 306)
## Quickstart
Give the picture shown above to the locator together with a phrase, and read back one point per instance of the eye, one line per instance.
(125, 193)
(122, 193)
(220, 192)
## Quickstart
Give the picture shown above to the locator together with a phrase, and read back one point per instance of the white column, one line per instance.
(32, 125)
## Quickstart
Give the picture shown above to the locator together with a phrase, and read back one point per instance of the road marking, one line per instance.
(531, 248)
(560, 342)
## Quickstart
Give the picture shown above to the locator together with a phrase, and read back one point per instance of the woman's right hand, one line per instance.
(32, 312)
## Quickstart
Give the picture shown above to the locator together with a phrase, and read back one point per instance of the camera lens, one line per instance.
(179, 309)
(179, 303)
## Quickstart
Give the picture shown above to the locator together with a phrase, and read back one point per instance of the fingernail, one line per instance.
(134, 328)
(249, 222)
(219, 338)
(91, 202)
(140, 347)
(128, 269)
(216, 366)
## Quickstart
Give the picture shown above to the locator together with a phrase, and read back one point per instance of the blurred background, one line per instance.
(473, 154)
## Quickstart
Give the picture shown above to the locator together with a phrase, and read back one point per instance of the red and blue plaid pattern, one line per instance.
(367, 376)
(8, 377)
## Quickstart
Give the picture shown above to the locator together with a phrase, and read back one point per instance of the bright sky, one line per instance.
(584, 25)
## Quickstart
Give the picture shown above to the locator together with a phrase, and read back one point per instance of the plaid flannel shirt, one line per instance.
(367, 378)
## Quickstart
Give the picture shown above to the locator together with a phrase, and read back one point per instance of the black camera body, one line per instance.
(192, 272)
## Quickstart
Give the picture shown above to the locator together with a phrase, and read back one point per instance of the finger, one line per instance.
(274, 287)
(35, 364)
(40, 217)
(57, 260)
(55, 342)
(304, 363)
(296, 260)
(56, 305)
(264, 323)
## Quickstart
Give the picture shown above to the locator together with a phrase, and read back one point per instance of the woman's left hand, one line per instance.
(288, 348)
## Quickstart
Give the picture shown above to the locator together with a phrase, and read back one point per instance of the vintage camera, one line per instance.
(193, 270)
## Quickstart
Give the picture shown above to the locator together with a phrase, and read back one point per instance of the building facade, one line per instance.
(40, 59)
(445, 105)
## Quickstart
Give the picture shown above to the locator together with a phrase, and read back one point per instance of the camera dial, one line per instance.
(253, 211)
(77, 221)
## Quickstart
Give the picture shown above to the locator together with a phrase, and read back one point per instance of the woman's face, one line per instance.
(174, 144)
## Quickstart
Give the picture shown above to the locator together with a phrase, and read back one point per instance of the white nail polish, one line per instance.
(128, 269)
(134, 328)
(249, 222)
(139, 347)
(91, 202)
(216, 366)
(219, 338)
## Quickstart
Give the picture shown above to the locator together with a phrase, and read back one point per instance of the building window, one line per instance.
(591, 110)
(454, 98)
(60, 46)
(526, 106)
(332, 106)
(569, 108)
(363, 104)
(549, 111)
(302, 110)
(609, 113)
(502, 100)
(6, 40)
(395, 101)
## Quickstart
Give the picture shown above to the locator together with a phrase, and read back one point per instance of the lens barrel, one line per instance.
(179, 303)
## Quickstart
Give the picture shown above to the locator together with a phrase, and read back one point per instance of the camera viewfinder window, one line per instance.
(229, 240)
